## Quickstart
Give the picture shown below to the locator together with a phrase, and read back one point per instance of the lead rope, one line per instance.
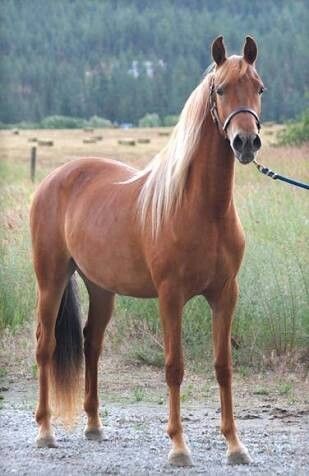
(270, 173)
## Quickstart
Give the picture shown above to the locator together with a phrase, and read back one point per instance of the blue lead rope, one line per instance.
(270, 173)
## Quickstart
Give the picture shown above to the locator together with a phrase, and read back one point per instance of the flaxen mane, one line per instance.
(165, 176)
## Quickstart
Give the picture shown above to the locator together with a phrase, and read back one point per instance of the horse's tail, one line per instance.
(66, 382)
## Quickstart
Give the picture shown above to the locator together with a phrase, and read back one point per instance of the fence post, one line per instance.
(33, 163)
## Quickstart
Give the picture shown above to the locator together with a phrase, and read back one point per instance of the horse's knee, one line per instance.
(174, 373)
(223, 374)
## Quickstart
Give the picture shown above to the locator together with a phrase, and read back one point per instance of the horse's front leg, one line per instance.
(171, 305)
(223, 307)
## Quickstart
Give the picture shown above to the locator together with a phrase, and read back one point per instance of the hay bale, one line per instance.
(15, 132)
(164, 133)
(88, 129)
(32, 139)
(143, 140)
(126, 141)
(98, 137)
(45, 142)
(89, 140)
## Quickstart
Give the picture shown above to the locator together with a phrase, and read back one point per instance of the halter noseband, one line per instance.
(215, 115)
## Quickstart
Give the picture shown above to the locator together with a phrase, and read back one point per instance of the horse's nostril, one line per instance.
(238, 143)
(257, 143)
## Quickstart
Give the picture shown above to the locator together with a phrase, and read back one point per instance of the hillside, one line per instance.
(122, 59)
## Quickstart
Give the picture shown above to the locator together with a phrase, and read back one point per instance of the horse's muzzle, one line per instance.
(245, 146)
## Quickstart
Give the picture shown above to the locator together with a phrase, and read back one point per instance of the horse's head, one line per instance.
(235, 98)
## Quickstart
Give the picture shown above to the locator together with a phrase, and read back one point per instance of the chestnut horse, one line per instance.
(169, 231)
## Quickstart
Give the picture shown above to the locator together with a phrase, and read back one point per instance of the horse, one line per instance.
(169, 231)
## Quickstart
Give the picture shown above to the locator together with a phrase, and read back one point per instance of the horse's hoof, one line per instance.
(46, 442)
(180, 458)
(239, 457)
(95, 434)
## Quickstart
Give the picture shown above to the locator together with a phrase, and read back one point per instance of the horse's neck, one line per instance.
(210, 185)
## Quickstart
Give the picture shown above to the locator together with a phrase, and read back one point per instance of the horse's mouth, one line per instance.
(245, 157)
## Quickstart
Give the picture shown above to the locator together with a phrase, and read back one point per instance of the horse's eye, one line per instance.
(261, 90)
(220, 91)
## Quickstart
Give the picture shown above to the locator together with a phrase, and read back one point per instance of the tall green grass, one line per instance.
(272, 313)
(17, 288)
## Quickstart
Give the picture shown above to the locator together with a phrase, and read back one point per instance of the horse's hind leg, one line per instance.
(49, 300)
(223, 308)
(100, 311)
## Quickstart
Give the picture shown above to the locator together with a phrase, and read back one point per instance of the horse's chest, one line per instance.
(199, 264)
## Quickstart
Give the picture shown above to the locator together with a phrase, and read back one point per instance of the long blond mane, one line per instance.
(165, 176)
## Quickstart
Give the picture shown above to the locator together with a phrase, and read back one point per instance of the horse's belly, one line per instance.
(118, 277)
(113, 263)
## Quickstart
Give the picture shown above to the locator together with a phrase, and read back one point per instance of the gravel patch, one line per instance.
(135, 443)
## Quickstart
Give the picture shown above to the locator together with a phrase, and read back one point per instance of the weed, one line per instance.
(205, 390)
(104, 413)
(261, 391)
(285, 388)
(138, 394)
(3, 372)
(34, 370)
(243, 371)
(187, 392)
(148, 355)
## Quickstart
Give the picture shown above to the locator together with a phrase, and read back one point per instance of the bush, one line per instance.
(296, 133)
(63, 122)
(150, 120)
(99, 122)
(4, 126)
(20, 125)
(170, 121)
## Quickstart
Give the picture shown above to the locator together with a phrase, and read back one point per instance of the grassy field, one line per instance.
(272, 318)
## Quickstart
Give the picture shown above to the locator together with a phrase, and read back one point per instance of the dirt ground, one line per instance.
(271, 409)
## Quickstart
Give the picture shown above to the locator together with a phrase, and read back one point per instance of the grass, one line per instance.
(3, 372)
(138, 394)
(272, 314)
(17, 290)
(261, 391)
(296, 132)
(285, 388)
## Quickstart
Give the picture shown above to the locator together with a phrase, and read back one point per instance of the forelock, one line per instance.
(233, 69)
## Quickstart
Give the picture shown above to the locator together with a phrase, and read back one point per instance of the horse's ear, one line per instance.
(250, 50)
(218, 51)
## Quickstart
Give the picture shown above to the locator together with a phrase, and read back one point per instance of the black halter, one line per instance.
(215, 115)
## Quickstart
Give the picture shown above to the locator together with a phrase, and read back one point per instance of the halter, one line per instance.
(215, 115)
